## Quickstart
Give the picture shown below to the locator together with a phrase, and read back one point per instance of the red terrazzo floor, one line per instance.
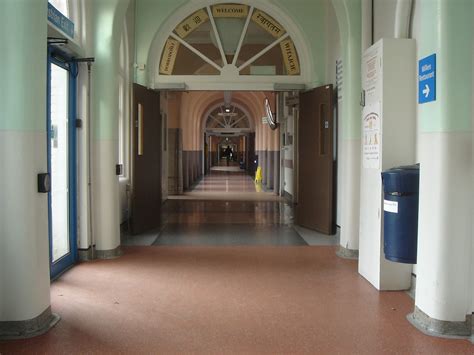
(227, 300)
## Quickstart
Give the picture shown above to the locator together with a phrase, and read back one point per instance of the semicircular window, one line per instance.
(233, 38)
(227, 118)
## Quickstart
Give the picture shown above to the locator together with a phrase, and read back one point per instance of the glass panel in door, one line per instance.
(59, 163)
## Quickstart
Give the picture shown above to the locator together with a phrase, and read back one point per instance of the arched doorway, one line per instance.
(222, 46)
(226, 135)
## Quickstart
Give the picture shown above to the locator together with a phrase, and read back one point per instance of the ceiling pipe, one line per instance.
(403, 18)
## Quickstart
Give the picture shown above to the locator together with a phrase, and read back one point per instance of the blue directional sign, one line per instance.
(60, 21)
(427, 79)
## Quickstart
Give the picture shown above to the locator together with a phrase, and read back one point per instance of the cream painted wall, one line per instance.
(193, 105)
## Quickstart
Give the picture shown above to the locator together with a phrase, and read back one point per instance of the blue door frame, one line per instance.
(56, 57)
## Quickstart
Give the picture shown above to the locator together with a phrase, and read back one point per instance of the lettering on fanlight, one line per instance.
(169, 56)
(191, 23)
(268, 24)
(290, 57)
(230, 10)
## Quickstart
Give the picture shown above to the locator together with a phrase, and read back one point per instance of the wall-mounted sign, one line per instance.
(169, 56)
(293, 100)
(271, 119)
(427, 79)
(60, 21)
(191, 23)
(371, 74)
(230, 10)
(371, 136)
(290, 57)
(339, 78)
(268, 24)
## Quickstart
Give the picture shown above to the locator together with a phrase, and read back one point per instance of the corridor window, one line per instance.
(124, 103)
(229, 38)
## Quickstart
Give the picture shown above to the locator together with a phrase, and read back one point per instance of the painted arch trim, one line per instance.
(225, 71)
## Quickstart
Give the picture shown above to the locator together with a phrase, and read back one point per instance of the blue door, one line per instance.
(61, 128)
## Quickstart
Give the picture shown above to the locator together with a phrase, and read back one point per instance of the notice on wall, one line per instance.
(60, 21)
(371, 124)
(230, 10)
(390, 206)
(191, 23)
(290, 57)
(371, 74)
(268, 23)
(339, 79)
(169, 56)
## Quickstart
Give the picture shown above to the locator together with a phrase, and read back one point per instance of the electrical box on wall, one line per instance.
(388, 128)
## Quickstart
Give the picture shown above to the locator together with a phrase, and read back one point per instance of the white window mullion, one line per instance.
(262, 52)
(216, 34)
(237, 121)
(242, 36)
(197, 52)
(215, 119)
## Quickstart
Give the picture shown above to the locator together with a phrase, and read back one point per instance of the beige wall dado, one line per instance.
(186, 110)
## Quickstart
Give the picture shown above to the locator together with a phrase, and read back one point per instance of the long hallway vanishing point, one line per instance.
(252, 176)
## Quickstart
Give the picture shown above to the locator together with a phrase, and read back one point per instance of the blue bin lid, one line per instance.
(403, 179)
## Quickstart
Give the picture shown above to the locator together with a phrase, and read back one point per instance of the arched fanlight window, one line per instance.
(229, 38)
(227, 118)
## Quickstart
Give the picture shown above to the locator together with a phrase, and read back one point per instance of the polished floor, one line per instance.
(228, 223)
(228, 277)
(230, 220)
(228, 183)
(228, 300)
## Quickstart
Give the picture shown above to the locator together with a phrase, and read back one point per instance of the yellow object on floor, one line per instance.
(258, 175)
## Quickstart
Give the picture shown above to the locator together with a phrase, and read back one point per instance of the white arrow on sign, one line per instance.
(426, 90)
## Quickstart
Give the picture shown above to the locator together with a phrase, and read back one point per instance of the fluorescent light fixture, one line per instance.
(288, 87)
(171, 86)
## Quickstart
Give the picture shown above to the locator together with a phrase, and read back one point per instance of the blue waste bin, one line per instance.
(401, 187)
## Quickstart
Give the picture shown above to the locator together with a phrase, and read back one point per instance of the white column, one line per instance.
(108, 21)
(348, 13)
(24, 244)
(445, 235)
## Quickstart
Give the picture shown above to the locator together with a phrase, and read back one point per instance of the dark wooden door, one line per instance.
(146, 160)
(315, 208)
(251, 165)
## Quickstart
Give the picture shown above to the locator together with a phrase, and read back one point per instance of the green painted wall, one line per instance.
(311, 18)
(451, 39)
(108, 21)
(349, 15)
(150, 14)
(23, 55)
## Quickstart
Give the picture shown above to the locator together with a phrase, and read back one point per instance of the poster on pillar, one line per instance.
(371, 73)
(371, 130)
